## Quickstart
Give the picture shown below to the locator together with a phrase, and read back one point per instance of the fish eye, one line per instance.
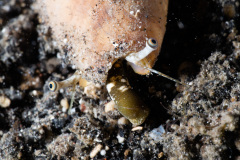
(52, 86)
(152, 42)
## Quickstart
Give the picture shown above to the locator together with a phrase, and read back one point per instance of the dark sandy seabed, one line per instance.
(201, 120)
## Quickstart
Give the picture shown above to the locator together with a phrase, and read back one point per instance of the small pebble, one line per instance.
(160, 155)
(65, 105)
(41, 130)
(107, 148)
(138, 128)
(103, 152)
(34, 92)
(109, 106)
(84, 106)
(126, 152)
(37, 152)
(120, 139)
(123, 121)
(95, 150)
(4, 102)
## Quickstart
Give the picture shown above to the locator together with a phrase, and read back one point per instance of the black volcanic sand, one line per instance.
(201, 119)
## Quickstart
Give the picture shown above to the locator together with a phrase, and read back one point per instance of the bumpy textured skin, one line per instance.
(98, 32)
